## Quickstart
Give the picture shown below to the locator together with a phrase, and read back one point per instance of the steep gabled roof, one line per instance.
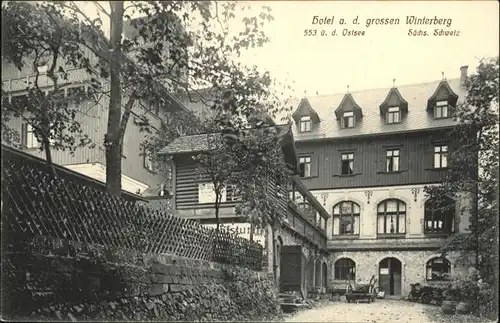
(394, 98)
(305, 109)
(418, 118)
(199, 143)
(443, 92)
(348, 104)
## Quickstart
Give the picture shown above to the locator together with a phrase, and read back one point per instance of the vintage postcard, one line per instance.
(288, 161)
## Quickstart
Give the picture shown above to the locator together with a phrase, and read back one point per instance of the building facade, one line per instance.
(295, 250)
(139, 172)
(367, 156)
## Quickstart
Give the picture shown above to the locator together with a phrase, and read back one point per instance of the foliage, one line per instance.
(169, 47)
(247, 163)
(33, 39)
(264, 181)
(217, 164)
(473, 167)
(173, 125)
(478, 294)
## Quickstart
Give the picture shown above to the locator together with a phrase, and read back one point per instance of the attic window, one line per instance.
(305, 124)
(348, 119)
(393, 115)
(441, 110)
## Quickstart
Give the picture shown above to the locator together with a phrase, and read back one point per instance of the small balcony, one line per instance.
(19, 84)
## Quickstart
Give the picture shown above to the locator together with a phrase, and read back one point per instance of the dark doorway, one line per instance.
(291, 268)
(310, 273)
(325, 275)
(317, 273)
(390, 276)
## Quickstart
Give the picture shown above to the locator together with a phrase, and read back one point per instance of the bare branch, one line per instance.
(98, 5)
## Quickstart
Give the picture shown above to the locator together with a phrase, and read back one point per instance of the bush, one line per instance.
(479, 295)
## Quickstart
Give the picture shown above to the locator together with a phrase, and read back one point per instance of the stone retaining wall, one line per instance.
(56, 279)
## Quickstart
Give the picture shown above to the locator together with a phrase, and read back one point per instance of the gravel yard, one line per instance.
(381, 311)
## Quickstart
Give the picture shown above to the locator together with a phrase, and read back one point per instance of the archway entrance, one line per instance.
(389, 277)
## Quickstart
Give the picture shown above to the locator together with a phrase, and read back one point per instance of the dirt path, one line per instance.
(381, 311)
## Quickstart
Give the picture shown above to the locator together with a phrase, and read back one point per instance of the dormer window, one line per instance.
(394, 108)
(348, 112)
(348, 120)
(442, 101)
(305, 124)
(441, 110)
(305, 116)
(393, 115)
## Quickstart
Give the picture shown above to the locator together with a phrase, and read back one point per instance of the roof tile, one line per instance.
(372, 122)
(199, 143)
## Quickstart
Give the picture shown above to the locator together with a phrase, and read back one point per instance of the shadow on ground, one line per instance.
(381, 311)
(435, 315)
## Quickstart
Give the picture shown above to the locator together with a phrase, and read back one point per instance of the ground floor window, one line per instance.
(345, 269)
(438, 269)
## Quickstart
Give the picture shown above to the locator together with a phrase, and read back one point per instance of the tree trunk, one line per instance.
(251, 231)
(48, 155)
(112, 140)
(275, 262)
(45, 125)
(217, 207)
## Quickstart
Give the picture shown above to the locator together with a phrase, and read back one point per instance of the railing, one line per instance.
(22, 83)
(36, 203)
(305, 226)
(308, 211)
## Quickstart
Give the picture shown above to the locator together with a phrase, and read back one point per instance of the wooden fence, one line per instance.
(35, 202)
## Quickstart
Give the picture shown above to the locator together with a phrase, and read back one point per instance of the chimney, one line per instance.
(463, 74)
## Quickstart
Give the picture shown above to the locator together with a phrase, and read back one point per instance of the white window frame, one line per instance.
(346, 211)
(347, 159)
(391, 221)
(393, 115)
(441, 110)
(392, 155)
(306, 160)
(305, 124)
(350, 118)
(148, 160)
(440, 156)
(30, 139)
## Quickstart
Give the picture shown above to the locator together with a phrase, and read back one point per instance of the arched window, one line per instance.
(438, 269)
(345, 269)
(346, 218)
(439, 216)
(391, 217)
